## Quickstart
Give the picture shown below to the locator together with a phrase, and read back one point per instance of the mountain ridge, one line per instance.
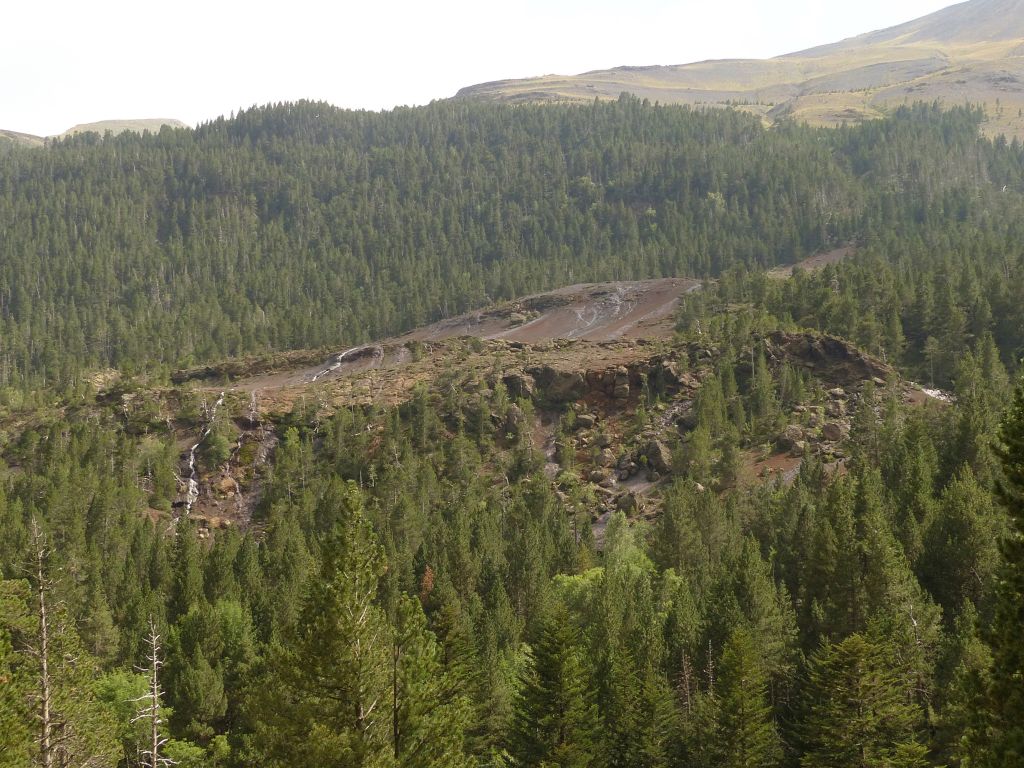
(102, 126)
(966, 53)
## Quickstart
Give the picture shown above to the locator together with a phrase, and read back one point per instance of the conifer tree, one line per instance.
(328, 701)
(557, 718)
(1002, 742)
(745, 735)
(858, 711)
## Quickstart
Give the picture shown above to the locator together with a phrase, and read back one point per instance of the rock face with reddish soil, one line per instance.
(599, 350)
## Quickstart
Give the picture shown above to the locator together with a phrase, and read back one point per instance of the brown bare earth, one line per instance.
(588, 312)
(593, 312)
(813, 263)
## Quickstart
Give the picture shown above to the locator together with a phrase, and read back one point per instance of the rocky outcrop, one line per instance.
(830, 358)
(519, 385)
(559, 386)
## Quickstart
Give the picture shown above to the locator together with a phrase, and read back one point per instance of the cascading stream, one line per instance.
(335, 363)
(193, 480)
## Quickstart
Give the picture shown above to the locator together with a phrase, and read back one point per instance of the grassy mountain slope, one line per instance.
(971, 52)
(120, 126)
(20, 139)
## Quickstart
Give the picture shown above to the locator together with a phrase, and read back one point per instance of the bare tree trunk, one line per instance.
(150, 709)
(45, 687)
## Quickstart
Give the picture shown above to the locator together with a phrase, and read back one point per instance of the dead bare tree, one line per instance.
(45, 691)
(149, 711)
(68, 736)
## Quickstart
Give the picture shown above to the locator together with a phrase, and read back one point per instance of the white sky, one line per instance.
(64, 62)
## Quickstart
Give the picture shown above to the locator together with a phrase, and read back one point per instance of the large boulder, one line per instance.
(514, 420)
(790, 436)
(627, 503)
(620, 386)
(519, 385)
(560, 386)
(585, 421)
(658, 456)
(833, 432)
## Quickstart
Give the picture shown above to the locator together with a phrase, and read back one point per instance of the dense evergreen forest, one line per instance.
(304, 225)
(414, 589)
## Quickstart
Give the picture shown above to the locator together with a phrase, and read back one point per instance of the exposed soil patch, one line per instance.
(591, 312)
(814, 263)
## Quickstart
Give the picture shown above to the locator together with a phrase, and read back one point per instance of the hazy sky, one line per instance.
(72, 61)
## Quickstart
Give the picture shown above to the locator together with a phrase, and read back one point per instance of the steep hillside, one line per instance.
(968, 53)
(602, 352)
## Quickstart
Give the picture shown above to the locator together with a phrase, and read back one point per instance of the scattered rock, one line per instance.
(799, 449)
(605, 459)
(585, 421)
(836, 409)
(832, 432)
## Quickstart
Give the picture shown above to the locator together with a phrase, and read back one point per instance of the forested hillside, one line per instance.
(416, 588)
(744, 544)
(302, 225)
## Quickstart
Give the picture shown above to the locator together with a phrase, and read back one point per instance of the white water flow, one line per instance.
(193, 476)
(335, 364)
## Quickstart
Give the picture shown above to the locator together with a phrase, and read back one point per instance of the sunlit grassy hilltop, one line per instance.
(971, 52)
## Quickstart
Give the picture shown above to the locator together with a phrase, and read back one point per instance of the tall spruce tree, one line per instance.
(327, 699)
(1003, 739)
(557, 721)
(859, 715)
(745, 735)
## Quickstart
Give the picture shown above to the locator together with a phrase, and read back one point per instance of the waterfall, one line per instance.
(193, 477)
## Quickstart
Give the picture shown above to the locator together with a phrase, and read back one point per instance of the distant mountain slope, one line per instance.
(21, 139)
(971, 52)
(119, 126)
(114, 126)
(978, 21)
